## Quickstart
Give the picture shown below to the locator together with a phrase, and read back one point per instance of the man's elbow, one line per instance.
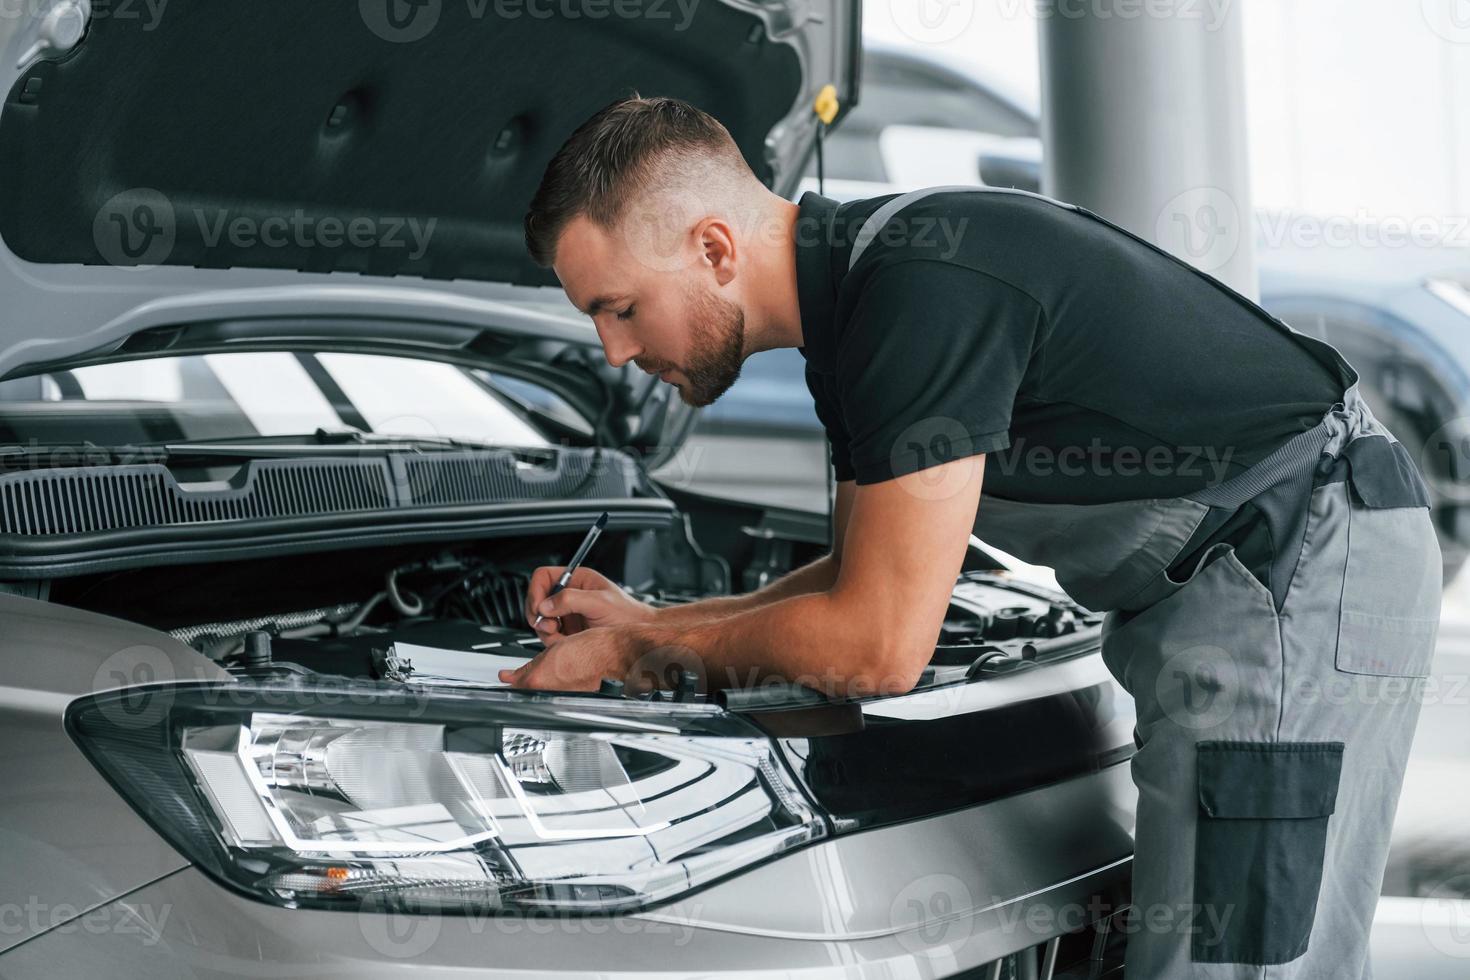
(897, 665)
(893, 651)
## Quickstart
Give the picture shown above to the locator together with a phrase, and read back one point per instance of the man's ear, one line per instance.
(717, 243)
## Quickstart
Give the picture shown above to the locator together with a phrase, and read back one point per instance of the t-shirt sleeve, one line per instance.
(929, 366)
(824, 395)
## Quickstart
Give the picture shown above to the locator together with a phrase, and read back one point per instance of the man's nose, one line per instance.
(617, 346)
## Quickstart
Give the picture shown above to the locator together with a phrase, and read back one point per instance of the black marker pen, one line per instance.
(592, 535)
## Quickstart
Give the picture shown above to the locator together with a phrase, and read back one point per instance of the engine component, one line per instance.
(487, 595)
(991, 659)
(770, 558)
(199, 636)
(369, 654)
(1010, 622)
(688, 688)
(257, 653)
(1057, 622)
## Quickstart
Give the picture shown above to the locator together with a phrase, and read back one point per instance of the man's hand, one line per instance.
(581, 661)
(588, 602)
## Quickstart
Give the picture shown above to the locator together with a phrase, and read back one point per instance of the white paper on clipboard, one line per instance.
(473, 667)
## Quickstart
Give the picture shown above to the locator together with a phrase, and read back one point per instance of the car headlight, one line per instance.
(482, 801)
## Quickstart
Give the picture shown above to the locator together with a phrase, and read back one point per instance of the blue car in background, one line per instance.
(1400, 312)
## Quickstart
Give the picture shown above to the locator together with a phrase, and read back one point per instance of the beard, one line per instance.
(716, 349)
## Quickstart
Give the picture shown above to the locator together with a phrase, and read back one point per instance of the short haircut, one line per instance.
(628, 147)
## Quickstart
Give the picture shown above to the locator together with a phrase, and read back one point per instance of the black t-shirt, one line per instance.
(1089, 365)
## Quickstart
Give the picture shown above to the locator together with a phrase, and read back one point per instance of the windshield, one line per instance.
(221, 396)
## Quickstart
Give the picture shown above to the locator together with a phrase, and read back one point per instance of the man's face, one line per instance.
(659, 308)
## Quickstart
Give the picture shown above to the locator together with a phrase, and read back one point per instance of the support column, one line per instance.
(1143, 119)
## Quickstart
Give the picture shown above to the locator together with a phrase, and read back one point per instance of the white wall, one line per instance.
(1354, 106)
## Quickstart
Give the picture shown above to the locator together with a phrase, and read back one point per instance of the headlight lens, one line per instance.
(482, 801)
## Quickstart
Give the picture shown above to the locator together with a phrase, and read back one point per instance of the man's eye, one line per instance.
(626, 314)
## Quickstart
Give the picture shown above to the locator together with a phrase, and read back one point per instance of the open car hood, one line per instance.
(195, 176)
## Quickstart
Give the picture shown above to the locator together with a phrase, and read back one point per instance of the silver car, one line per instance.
(286, 418)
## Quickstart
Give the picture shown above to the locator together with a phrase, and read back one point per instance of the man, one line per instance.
(1182, 459)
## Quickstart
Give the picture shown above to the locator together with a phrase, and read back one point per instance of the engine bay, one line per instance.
(452, 614)
(412, 567)
(457, 617)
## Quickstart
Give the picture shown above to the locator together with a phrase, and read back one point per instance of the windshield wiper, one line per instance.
(329, 442)
(322, 440)
(66, 454)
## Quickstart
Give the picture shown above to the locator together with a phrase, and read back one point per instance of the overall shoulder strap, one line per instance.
(879, 218)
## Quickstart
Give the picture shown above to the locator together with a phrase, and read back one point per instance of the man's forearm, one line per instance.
(818, 576)
(817, 639)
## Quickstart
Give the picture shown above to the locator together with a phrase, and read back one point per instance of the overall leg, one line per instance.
(1270, 760)
(1367, 594)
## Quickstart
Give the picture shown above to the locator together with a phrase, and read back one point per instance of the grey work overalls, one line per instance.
(1275, 717)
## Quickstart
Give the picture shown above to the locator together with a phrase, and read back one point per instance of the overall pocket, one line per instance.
(1259, 847)
(1390, 592)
